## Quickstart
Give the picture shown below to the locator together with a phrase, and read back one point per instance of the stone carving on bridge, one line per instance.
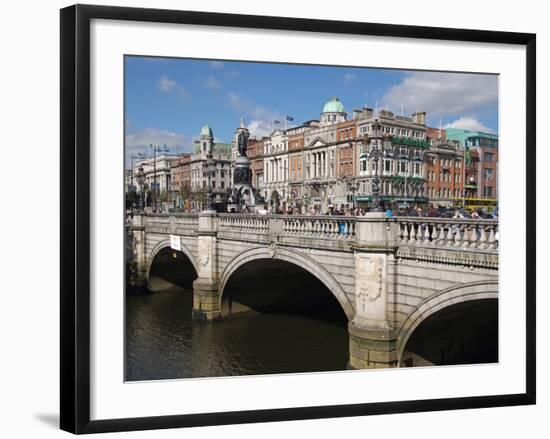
(204, 260)
(205, 247)
(369, 281)
(273, 250)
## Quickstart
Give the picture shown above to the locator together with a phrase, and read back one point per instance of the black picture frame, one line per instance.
(75, 217)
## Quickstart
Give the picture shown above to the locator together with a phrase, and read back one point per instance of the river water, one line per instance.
(163, 342)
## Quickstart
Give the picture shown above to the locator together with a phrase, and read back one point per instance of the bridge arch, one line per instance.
(454, 295)
(165, 243)
(293, 257)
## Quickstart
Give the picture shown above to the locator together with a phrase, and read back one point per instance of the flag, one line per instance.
(289, 119)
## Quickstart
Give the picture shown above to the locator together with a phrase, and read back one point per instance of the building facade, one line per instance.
(180, 170)
(445, 173)
(401, 166)
(275, 158)
(486, 147)
(220, 169)
(255, 154)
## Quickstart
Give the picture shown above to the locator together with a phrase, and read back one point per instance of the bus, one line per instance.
(487, 204)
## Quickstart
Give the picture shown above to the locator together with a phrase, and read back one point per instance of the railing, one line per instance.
(327, 227)
(186, 223)
(243, 222)
(157, 222)
(411, 231)
(449, 233)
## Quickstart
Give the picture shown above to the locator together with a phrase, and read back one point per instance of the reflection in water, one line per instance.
(163, 342)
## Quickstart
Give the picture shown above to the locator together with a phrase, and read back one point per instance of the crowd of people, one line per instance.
(413, 210)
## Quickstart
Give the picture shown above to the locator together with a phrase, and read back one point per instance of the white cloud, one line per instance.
(139, 141)
(232, 74)
(261, 117)
(212, 83)
(259, 128)
(349, 78)
(216, 65)
(469, 123)
(167, 85)
(443, 93)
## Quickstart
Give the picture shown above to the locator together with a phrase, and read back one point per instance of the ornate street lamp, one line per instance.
(156, 149)
(207, 167)
(141, 180)
(351, 187)
(374, 154)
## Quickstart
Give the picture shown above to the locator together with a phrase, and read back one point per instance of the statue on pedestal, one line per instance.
(242, 196)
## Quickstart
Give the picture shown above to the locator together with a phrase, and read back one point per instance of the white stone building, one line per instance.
(220, 166)
(275, 187)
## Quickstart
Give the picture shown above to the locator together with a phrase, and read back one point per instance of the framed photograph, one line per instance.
(276, 218)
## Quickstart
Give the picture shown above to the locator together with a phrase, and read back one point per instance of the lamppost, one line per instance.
(139, 155)
(141, 179)
(351, 187)
(156, 149)
(374, 154)
(208, 169)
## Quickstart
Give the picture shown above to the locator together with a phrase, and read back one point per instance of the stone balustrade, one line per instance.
(245, 223)
(186, 223)
(328, 227)
(422, 232)
(157, 223)
(449, 233)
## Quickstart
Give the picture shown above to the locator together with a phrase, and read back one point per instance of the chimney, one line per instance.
(419, 117)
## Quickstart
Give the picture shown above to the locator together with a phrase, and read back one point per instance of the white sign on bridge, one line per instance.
(175, 242)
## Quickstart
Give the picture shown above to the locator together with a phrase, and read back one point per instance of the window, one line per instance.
(223, 184)
(388, 166)
(488, 191)
(488, 173)
(488, 156)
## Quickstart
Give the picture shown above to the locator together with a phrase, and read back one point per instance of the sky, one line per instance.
(168, 100)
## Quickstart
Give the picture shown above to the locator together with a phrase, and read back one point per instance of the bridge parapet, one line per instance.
(458, 233)
(165, 223)
(468, 242)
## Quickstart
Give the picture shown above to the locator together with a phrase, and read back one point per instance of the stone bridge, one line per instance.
(388, 274)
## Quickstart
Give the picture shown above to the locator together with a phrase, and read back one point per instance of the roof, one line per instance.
(206, 131)
(333, 105)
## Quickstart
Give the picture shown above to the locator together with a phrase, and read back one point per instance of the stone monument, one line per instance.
(242, 196)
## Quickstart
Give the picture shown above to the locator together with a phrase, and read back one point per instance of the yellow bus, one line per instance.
(476, 203)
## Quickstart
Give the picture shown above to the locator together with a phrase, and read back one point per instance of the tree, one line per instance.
(163, 198)
(185, 191)
(200, 195)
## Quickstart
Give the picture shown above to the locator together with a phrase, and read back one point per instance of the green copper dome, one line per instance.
(333, 105)
(206, 131)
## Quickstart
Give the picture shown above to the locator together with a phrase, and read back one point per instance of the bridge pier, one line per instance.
(135, 253)
(372, 339)
(206, 296)
(206, 300)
